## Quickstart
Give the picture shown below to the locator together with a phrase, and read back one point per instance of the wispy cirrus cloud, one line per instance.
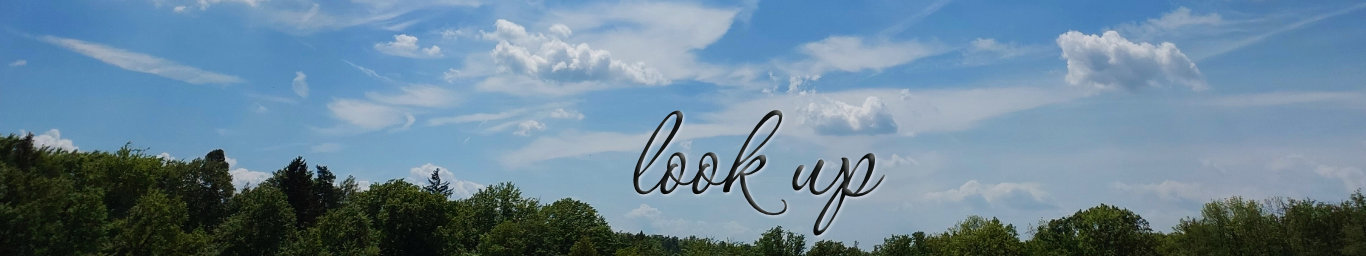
(140, 62)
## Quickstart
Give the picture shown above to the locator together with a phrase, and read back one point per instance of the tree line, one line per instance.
(126, 202)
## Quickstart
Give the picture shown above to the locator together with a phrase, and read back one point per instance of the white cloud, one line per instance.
(853, 54)
(327, 147)
(242, 178)
(897, 160)
(420, 95)
(1287, 98)
(140, 62)
(664, 35)
(643, 211)
(992, 193)
(406, 46)
(987, 50)
(367, 115)
(548, 57)
(477, 117)
(1352, 178)
(300, 84)
(1170, 190)
(1170, 22)
(165, 156)
(1110, 61)
(52, 139)
(303, 17)
(368, 71)
(525, 128)
(459, 188)
(561, 113)
(18, 63)
(833, 117)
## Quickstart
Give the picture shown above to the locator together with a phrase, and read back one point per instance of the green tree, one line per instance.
(980, 236)
(894, 245)
(485, 209)
(833, 248)
(407, 218)
(570, 220)
(1100, 230)
(525, 237)
(1230, 227)
(153, 227)
(47, 215)
(777, 242)
(205, 186)
(263, 220)
(436, 186)
(583, 247)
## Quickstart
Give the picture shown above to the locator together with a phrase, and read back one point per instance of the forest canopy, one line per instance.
(126, 202)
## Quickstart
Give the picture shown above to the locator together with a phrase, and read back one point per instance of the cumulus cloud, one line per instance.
(525, 128)
(853, 54)
(459, 188)
(165, 156)
(18, 63)
(547, 57)
(300, 84)
(241, 177)
(644, 210)
(52, 139)
(1110, 61)
(140, 62)
(406, 46)
(833, 117)
(367, 115)
(1005, 192)
(417, 95)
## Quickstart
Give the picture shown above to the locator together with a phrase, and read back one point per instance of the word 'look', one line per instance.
(741, 168)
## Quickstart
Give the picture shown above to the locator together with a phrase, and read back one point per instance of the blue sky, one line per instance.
(1023, 111)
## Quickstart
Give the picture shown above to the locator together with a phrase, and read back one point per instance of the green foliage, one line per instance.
(47, 215)
(977, 236)
(1101, 230)
(1231, 227)
(436, 186)
(477, 215)
(261, 223)
(583, 247)
(524, 237)
(153, 227)
(407, 218)
(895, 245)
(57, 202)
(777, 242)
(570, 220)
(833, 248)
